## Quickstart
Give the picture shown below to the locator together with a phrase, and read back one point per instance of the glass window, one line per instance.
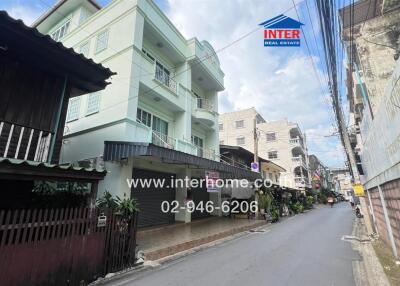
(221, 127)
(73, 108)
(271, 136)
(197, 141)
(273, 155)
(84, 49)
(102, 41)
(160, 126)
(239, 124)
(162, 73)
(93, 104)
(240, 141)
(143, 117)
(221, 142)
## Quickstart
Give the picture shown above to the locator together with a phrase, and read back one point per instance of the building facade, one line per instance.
(374, 99)
(281, 142)
(164, 94)
(320, 174)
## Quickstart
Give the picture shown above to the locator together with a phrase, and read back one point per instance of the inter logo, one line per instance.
(282, 31)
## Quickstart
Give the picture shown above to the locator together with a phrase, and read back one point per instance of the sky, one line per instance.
(278, 82)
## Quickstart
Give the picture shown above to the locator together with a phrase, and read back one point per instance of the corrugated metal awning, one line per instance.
(117, 150)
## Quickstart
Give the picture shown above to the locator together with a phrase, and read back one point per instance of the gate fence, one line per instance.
(66, 246)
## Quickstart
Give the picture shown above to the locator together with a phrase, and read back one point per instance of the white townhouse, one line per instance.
(280, 141)
(159, 116)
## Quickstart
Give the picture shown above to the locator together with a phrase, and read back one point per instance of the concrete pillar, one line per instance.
(181, 195)
(387, 221)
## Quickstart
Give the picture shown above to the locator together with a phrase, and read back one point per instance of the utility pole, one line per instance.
(255, 140)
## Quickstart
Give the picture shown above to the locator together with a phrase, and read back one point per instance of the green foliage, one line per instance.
(275, 213)
(309, 202)
(322, 198)
(107, 201)
(297, 208)
(126, 207)
(265, 201)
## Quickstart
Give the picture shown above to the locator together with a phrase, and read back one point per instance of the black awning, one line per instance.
(117, 150)
(27, 44)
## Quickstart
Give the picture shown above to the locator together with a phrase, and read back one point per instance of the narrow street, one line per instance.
(304, 250)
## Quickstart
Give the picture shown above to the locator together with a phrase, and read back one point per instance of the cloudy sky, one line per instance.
(278, 82)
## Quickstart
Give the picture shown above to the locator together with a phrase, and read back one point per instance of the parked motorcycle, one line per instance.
(358, 212)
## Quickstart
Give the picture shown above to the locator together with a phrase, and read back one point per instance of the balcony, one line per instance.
(300, 182)
(298, 161)
(22, 142)
(203, 111)
(164, 78)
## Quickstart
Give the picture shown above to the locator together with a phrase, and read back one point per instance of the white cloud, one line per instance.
(280, 83)
(28, 14)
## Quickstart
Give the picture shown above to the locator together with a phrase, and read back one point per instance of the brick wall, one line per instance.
(391, 193)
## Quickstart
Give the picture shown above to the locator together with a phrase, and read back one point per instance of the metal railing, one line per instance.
(22, 142)
(204, 103)
(162, 76)
(162, 140)
(299, 161)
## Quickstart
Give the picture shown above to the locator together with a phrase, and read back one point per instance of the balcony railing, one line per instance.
(21, 142)
(162, 140)
(299, 161)
(204, 103)
(163, 77)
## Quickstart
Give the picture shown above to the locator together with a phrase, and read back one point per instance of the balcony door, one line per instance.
(198, 142)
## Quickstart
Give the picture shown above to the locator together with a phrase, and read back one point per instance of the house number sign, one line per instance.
(101, 221)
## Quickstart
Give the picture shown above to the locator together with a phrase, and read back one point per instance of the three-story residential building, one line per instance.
(281, 142)
(158, 116)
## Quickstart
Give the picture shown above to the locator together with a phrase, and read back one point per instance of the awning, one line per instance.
(117, 150)
(30, 170)
(28, 44)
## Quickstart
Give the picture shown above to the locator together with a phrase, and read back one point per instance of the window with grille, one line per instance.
(143, 117)
(240, 141)
(84, 49)
(93, 103)
(271, 136)
(102, 41)
(73, 108)
(239, 124)
(60, 32)
(273, 155)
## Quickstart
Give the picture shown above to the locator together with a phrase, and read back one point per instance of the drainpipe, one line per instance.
(363, 92)
(387, 221)
(58, 117)
(372, 210)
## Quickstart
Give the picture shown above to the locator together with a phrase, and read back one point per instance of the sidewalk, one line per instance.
(368, 271)
(167, 240)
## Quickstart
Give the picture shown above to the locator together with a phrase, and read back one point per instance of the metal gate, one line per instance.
(150, 198)
(200, 194)
(63, 246)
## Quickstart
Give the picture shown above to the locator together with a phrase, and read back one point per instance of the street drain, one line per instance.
(355, 238)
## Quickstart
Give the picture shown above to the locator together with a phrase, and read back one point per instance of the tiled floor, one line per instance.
(166, 240)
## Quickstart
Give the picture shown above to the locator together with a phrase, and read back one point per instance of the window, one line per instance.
(221, 142)
(221, 127)
(162, 74)
(160, 126)
(273, 155)
(271, 136)
(84, 49)
(83, 16)
(197, 141)
(73, 108)
(143, 117)
(239, 124)
(102, 41)
(240, 141)
(60, 32)
(93, 103)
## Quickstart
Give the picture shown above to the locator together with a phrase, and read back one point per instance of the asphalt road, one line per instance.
(303, 250)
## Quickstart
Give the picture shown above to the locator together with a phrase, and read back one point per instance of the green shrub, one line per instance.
(309, 202)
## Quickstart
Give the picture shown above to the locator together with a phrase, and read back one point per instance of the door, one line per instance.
(151, 198)
(200, 194)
